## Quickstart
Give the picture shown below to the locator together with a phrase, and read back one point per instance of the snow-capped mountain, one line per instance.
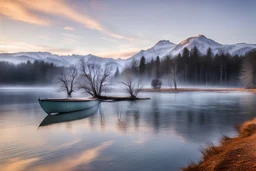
(236, 49)
(203, 43)
(200, 41)
(161, 49)
(59, 60)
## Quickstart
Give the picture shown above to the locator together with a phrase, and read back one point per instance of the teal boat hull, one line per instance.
(68, 117)
(57, 106)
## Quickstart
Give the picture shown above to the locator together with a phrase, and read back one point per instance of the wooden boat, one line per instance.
(56, 106)
(68, 117)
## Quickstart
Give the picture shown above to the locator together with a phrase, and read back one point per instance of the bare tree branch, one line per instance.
(95, 78)
(133, 87)
(67, 80)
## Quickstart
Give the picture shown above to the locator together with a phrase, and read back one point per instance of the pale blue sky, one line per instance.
(119, 28)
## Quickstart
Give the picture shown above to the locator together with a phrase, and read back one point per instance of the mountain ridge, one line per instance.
(162, 48)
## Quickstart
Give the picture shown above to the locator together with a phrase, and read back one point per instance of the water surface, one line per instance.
(164, 133)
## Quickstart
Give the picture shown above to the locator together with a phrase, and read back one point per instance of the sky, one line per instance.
(119, 28)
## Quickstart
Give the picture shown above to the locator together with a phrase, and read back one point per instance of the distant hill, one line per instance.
(161, 49)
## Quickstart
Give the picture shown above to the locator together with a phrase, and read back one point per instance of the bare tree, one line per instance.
(133, 87)
(95, 78)
(174, 73)
(67, 80)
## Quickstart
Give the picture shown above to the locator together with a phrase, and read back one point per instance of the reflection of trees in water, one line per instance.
(102, 118)
(201, 117)
(249, 103)
(197, 120)
(124, 114)
(156, 113)
(121, 125)
(92, 120)
(136, 119)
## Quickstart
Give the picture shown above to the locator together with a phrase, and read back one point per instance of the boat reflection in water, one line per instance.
(67, 117)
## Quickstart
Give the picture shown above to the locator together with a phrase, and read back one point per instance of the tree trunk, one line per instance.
(175, 84)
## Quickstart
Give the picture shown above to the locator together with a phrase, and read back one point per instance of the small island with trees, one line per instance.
(93, 79)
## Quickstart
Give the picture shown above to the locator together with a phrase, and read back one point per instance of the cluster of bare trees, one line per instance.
(89, 77)
(93, 79)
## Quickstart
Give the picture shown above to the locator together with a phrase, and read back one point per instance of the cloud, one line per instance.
(98, 5)
(123, 54)
(21, 10)
(16, 11)
(69, 35)
(44, 37)
(69, 28)
(108, 39)
(16, 46)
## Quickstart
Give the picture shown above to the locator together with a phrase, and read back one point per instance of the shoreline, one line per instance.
(238, 153)
(172, 90)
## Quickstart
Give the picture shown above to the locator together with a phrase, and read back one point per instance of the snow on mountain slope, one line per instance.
(60, 60)
(203, 43)
(32, 56)
(109, 62)
(236, 49)
(160, 49)
(200, 41)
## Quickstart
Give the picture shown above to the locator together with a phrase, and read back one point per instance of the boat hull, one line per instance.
(56, 106)
(68, 117)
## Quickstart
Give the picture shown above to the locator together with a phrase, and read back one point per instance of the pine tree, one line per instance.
(194, 53)
(209, 53)
(150, 67)
(207, 63)
(194, 57)
(185, 53)
(158, 67)
(186, 61)
(142, 66)
(117, 73)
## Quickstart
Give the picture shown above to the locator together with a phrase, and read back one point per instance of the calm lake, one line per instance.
(164, 133)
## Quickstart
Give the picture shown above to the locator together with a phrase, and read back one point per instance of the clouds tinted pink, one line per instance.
(25, 11)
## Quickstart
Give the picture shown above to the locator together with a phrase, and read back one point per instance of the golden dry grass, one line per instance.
(233, 154)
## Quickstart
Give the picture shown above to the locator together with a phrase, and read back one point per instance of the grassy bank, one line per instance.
(232, 154)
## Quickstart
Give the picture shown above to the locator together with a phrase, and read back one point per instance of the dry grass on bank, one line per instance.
(233, 154)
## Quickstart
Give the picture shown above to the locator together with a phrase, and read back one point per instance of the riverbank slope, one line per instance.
(232, 154)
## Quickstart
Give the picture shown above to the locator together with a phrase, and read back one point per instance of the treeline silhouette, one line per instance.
(188, 68)
(38, 72)
(191, 68)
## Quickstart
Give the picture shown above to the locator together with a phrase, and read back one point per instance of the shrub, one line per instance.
(156, 83)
